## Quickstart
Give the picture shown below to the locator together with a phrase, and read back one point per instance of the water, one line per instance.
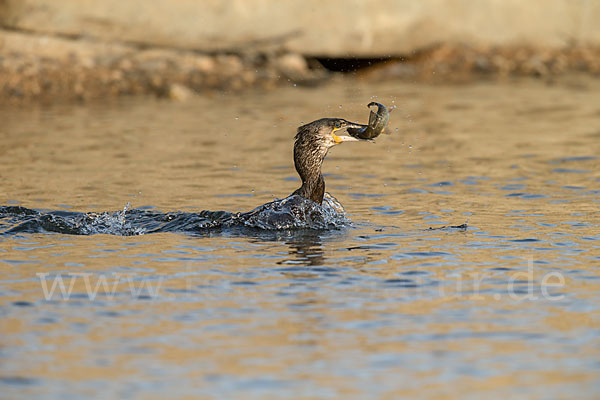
(378, 307)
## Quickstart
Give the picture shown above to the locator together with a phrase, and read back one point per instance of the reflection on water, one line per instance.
(305, 249)
(383, 308)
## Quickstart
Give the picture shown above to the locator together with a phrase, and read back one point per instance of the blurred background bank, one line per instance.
(81, 49)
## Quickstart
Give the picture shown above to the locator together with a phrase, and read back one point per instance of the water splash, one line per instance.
(110, 223)
(291, 213)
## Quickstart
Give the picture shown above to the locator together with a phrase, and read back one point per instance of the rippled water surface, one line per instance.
(382, 308)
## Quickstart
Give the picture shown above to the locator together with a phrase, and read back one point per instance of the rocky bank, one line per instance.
(78, 50)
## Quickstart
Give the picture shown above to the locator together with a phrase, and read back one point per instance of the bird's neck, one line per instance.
(313, 188)
(308, 167)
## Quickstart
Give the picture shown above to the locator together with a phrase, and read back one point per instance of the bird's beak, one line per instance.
(339, 139)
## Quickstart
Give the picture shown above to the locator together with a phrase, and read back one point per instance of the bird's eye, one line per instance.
(338, 124)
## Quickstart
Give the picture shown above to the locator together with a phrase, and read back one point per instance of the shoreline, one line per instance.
(39, 69)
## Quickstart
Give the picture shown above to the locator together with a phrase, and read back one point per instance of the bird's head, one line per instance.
(325, 133)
